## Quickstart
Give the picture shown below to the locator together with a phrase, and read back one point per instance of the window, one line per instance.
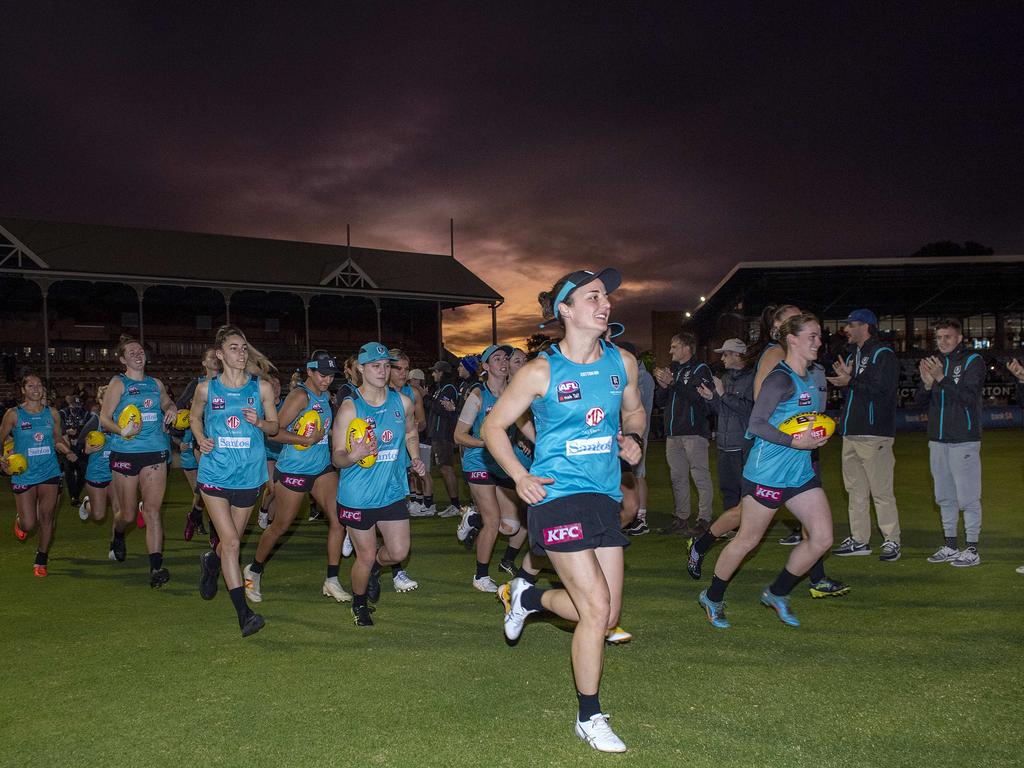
(980, 331)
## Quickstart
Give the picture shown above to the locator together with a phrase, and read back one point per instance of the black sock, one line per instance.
(156, 560)
(395, 569)
(973, 545)
(416, 498)
(817, 572)
(481, 569)
(429, 500)
(511, 553)
(256, 566)
(42, 558)
(530, 578)
(716, 592)
(951, 542)
(359, 600)
(704, 544)
(118, 535)
(589, 706)
(332, 571)
(475, 521)
(530, 599)
(196, 515)
(783, 583)
(238, 600)
(375, 568)
(454, 502)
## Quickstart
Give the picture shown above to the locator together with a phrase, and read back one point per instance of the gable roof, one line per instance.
(187, 258)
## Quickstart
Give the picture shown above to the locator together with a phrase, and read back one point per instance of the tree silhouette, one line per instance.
(949, 248)
(536, 342)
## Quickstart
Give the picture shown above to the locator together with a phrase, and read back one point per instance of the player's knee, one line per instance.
(509, 526)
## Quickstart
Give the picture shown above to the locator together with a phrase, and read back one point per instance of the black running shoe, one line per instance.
(253, 623)
(373, 586)
(361, 615)
(118, 551)
(209, 566)
(158, 577)
(470, 540)
(508, 566)
(201, 529)
(694, 560)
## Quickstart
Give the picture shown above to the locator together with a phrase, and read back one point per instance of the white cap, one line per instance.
(733, 345)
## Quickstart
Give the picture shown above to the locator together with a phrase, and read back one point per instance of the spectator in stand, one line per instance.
(951, 384)
(441, 418)
(686, 433)
(732, 400)
(72, 418)
(645, 383)
(870, 376)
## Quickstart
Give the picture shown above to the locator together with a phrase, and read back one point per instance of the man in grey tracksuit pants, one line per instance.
(951, 384)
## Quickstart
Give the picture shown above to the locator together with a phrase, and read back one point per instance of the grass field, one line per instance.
(920, 665)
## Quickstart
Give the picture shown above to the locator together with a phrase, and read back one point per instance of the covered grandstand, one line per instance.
(71, 289)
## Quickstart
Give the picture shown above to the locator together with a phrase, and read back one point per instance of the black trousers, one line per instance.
(74, 476)
(730, 475)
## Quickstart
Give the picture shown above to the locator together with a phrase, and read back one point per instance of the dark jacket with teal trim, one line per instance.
(870, 407)
(954, 404)
(686, 412)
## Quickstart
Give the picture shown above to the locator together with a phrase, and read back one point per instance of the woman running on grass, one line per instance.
(778, 471)
(230, 416)
(581, 390)
(138, 453)
(97, 475)
(35, 428)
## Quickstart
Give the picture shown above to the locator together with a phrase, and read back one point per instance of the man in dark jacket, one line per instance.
(72, 418)
(686, 433)
(870, 376)
(951, 384)
(732, 399)
(441, 417)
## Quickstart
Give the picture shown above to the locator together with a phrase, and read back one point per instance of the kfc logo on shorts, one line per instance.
(615, 380)
(147, 403)
(217, 404)
(208, 487)
(563, 533)
(354, 515)
(294, 482)
(121, 465)
(595, 416)
(233, 422)
(771, 494)
(479, 475)
(387, 436)
(38, 437)
(18, 488)
(568, 390)
(804, 400)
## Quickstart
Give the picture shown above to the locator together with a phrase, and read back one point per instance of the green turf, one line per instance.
(919, 666)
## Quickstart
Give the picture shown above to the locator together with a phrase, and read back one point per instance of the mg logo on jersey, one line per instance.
(217, 404)
(568, 390)
(595, 416)
(563, 533)
(38, 437)
(771, 494)
(355, 515)
(804, 400)
(233, 422)
(387, 436)
(147, 403)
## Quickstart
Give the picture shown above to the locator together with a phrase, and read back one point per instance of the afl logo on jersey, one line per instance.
(233, 422)
(804, 399)
(568, 390)
(147, 403)
(595, 416)
(26, 425)
(217, 404)
(387, 436)
(316, 407)
(133, 390)
(615, 380)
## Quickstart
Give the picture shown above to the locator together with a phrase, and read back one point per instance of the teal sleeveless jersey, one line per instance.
(478, 459)
(577, 423)
(386, 481)
(98, 468)
(779, 466)
(316, 458)
(188, 445)
(144, 395)
(237, 459)
(33, 439)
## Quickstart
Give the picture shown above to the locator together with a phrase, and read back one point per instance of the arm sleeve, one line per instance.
(774, 389)
(185, 398)
(470, 409)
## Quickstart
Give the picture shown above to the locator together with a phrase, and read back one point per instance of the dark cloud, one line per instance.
(669, 141)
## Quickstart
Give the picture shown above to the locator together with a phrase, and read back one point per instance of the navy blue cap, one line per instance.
(865, 316)
(609, 276)
(322, 362)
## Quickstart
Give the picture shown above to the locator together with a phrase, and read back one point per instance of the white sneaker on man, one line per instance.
(597, 733)
(251, 580)
(966, 559)
(346, 546)
(333, 588)
(403, 583)
(414, 508)
(421, 510)
(485, 584)
(450, 511)
(944, 554)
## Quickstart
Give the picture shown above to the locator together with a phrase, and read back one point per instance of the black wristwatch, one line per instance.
(639, 440)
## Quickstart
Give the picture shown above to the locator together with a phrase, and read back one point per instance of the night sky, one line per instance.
(671, 141)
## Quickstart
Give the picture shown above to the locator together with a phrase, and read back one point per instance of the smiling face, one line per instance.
(947, 339)
(804, 345)
(32, 388)
(134, 357)
(234, 353)
(590, 309)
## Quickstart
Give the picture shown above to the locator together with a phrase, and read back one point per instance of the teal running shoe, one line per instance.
(781, 606)
(715, 611)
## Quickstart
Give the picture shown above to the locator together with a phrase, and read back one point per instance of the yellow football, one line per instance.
(820, 424)
(358, 429)
(183, 420)
(129, 414)
(95, 439)
(16, 463)
(8, 446)
(308, 423)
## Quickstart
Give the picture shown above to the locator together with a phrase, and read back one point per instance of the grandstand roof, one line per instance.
(32, 248)
(950, 285)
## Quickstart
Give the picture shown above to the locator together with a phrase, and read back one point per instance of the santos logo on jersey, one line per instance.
(588, 445)
(233, 442)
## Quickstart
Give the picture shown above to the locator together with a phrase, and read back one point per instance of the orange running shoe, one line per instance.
(20, 534)
(140, 521)
(39, 571)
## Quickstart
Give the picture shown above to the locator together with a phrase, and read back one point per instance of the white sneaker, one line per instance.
(251, 579)
(1020, 569)
(966, 559)
(263, 521)
(450, 511)
(413, 507)
(617, 635)
(346, 547)
(597, 733)
(464, 526)
(421, 510)
(485, 584)
(333, 588)
(944, 555)
(403, 583)
(84, 508)
(511, 596)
